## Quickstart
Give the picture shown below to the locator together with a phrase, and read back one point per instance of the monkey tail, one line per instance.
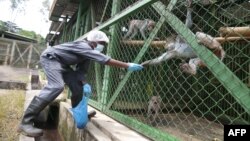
(222, 54)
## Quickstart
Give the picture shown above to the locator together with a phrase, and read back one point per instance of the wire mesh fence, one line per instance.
(189, 88)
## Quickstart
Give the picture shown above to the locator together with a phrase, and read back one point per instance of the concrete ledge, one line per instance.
(115, 130)
(70, 132)
(44, 113)
(100, 128)
(13, 85)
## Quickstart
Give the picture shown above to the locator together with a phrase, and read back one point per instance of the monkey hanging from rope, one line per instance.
(180, 49)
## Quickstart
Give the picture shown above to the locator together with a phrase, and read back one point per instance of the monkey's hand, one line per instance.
(145, 63)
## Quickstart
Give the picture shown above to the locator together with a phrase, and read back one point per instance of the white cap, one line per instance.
(96, 36)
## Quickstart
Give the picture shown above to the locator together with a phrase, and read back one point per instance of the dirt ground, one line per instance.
(187, 127)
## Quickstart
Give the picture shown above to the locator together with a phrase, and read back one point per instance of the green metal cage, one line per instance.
(192, 107)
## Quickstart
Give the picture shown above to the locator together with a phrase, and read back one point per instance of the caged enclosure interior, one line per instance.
(162, 101)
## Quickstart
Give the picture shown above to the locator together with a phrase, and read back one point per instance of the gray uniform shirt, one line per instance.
(72, 53)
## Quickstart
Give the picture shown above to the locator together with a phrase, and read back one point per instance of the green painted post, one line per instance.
(93, 15)
(87, 22)
(104, 11)
(107, 72)
(97, 66)
(64, 29)
(83, 23)
(78, 20)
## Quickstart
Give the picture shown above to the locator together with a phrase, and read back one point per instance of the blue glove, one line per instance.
(87, 90)
(134, 67)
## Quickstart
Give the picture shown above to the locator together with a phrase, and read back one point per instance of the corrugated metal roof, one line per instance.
(63, 8)
(14, 36)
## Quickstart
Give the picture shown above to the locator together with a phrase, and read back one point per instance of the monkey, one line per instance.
(180, 49)
(211, 43)
(208, 41)
(154, 106)
(139, 25)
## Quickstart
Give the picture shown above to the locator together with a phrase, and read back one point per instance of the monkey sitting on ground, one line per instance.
(180, 49)
(139, 25)
(154, 107)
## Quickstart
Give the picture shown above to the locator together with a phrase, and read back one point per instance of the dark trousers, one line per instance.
(75, 86)
(57, 76)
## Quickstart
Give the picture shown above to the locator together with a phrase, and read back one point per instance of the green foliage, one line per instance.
(29, 34)
(32, 35)
(2, 26)
(8, 26)
(5, 26)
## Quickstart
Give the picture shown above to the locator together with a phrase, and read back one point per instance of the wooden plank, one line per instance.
(12, 52)
(17, 41)
(30, 56)
(20, 57)
(18, 50)
(7, 55)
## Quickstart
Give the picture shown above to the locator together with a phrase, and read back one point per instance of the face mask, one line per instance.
(99, 47)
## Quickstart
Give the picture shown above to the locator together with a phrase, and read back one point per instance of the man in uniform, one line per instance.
(56, 62)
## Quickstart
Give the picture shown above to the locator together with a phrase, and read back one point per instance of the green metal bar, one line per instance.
(98, 80)
(78, 19)
(93, 15)
(127, 12)
(106, 80)
(84, 16)
(95, 104)
(65, 31)
(140, 55)
(105, 10)
(72, 31)
(148, 131)
(62, 39)
(107, 72)
(97, 66)
(228, 79)
(87, 22)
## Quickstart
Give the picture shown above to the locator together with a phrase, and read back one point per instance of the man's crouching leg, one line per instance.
(26, 126)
